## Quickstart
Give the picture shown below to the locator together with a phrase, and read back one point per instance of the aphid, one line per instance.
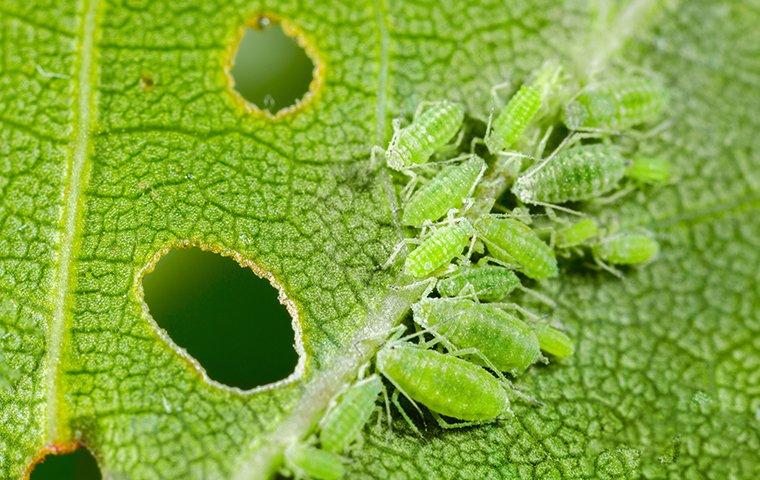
(507, 342)
(649, 170)
(433, 126)
(514, 243)
(438, 249)
(345, 421)
(627, 248)
(305, 461)
(554, 342)
(578, 173)
(446, 191)
(445, 384)
(489, 283)
(616, 105)
(520, 111)
(576, 234)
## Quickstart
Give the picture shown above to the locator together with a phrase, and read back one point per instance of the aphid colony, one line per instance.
(469, 333)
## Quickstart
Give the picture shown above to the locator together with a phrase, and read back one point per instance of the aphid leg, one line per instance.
(517, 308)
(550, 206)
(495, 91)
(614, 197)
(447, 425)
(609, 268)
(474, 352)
(374, 152)
(452, 147)
(539, 152)
(408, 190)
(421, 107)
(400, 408)
(387, 402)
(403, 243)
(477, 140)
(538, 296)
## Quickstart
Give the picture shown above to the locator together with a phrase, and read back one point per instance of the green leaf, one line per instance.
(99, 175)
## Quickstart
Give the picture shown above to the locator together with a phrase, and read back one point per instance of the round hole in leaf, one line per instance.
(78, 464)
(271, 69)
(225, 316)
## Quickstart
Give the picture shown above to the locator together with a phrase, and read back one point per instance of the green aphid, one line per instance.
(307, 462)
(576, 234)
(489, 283)
(433, 126)
(627, 248)
(445, 384)
(583, 172)
(616, 105)
(446, 191)
(520, 111)
(554, 342)
(649, 170)
(438, 249)
(345, 421)
(516, 244)
(508, 343)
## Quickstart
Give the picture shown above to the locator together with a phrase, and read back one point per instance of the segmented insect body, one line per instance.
(429, 131)
(489, 283)
(627, 248)
(445, 191)
(507, 342)
(519, 112)
(345, 421)
(576, 234)
(616, 105)
(554, 342)
(512, 242)
(443, 383)
(310, 462)
(578, 173)
(649, 170)
(438, 249)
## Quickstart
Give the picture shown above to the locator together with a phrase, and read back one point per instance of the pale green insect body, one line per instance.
(438, 249)
(307, 462)
(429, 131)
(576, 234)
(443, 383)
(578, 173)
(512, 242)
(554, 342)
(616, 105)
(649, 170)
(627, 248)
(506, 341)
(489, 283)
(447, 190)
(345, 421)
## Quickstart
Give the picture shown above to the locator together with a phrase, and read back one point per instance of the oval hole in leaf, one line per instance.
(271, 70)
(226, 317)
(79, 465)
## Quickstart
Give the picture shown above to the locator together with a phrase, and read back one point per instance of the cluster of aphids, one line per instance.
(474, 259)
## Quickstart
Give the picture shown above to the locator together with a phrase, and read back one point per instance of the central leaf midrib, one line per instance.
(76, 180)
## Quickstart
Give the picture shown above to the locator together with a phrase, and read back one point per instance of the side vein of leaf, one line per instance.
(76, 180)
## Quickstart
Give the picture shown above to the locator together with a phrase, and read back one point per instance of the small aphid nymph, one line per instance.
(309, 462)
(438, 249)
(649, 170)
(627, 248)
(516, 244)
(489, 283)
(554, 342)
(616, 105)
(345, 421)
(433, 126)
(446, 191)
(576, 234)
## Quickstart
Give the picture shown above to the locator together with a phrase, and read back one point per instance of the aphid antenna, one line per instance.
(422, 106)
(515, 307)
(448, 425)
(495, 92)
(550, 207)
(608, 199)
(403, 243)
(538, 296)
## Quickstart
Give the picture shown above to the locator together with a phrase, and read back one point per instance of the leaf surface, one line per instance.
(99, 175)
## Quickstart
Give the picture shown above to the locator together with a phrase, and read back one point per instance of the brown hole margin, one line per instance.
(48, 450)
(257, 22)
(259, 271)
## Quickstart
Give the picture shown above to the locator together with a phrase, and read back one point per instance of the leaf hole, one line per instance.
(227, 318)
(273, 69)
(62, 464)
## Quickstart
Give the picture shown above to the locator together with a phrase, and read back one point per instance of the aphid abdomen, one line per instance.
(433, 129)
(627, 249)
(489, 283)
(577, 234)
(311, 462)
(507, 342)
(438, 249)
(512, 121)
(649, 170)
(445, 191)
(513, 242)
(554, 342)
(445, 384)
(616, 105)
(343, 424)
(578, 173)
